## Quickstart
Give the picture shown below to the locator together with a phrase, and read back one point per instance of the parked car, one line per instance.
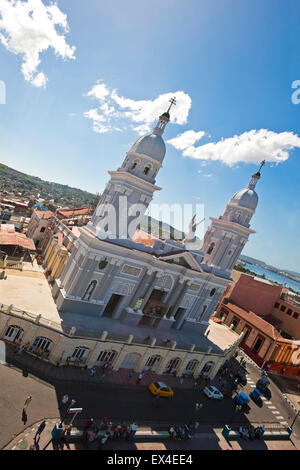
(241, 399)
(161, 389)
(212, 392)
(241, 376)
(255, 395)
(262, 383)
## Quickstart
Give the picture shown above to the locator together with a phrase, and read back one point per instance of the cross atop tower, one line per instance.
(173, 102)
(262, 164)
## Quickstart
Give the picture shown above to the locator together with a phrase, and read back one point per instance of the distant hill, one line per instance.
(29, 187)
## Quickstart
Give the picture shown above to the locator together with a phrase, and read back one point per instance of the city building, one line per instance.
(40, 219)
(267, 317)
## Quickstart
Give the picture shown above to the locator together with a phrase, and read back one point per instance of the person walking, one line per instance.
(133, 429)
(182, 379)
(27, 402)
(24, 416)
(139, 378)
(40, 429)
(92, 373)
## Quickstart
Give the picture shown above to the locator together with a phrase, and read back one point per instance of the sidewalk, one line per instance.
(48, 372)
(212, 440)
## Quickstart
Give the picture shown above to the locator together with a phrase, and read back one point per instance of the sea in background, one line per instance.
(283, 280)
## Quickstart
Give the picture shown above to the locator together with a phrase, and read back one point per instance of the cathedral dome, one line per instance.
(245, 198)
(151, 145)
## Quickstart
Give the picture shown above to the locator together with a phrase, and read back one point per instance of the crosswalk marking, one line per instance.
(268, 402)
(275, 413)
(279, 417)
(284, 423)
(272, 407)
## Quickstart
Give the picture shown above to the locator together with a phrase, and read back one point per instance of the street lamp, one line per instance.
(198, 407)
(70, 406)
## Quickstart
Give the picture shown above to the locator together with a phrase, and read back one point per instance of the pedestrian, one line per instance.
(24, 416)
(102, 441)
(181, 379)
(172, 432)
(40, 429)
(133, 429)
(130, 374)
(65, 437)
(27, 402)
(139, 378)
(298, 388)
(92, 373)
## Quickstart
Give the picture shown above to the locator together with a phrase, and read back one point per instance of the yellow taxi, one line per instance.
(161, 389)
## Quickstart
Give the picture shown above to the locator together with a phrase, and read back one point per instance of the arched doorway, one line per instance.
(152, 363)
(172, 365)
(191, 367)
(13, 333)
(129, 361)
(106, 357)
(207, 368)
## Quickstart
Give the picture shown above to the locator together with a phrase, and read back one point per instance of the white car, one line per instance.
(213, 392)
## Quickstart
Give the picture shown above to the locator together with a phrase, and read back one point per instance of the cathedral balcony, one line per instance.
(154, 311)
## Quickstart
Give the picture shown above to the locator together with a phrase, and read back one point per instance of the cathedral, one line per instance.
(166, 286)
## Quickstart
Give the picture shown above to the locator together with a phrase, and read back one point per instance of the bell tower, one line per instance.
(227, 235)
(131, 187)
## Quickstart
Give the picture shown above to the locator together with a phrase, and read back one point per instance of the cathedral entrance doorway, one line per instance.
(112, 305)
(157, 294)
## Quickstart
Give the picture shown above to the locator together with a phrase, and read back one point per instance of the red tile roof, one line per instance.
(8, 237)
(73, 212)
(45, 214)
(254, 320)
(142, 237)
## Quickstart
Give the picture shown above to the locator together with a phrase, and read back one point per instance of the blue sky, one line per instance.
(234, 62)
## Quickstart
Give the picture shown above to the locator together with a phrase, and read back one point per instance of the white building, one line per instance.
(166, 287)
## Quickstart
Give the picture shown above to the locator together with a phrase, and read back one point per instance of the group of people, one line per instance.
(180, 432)
(105, 431)
(250, 432)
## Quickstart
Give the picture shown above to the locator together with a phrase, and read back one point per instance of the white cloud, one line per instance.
(138, 114)
(28, 28)
(249, 147)
(185, 140)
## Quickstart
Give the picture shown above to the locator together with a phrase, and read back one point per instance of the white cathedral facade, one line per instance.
(166, 286)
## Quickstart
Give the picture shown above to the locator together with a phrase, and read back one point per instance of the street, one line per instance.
(121, 403)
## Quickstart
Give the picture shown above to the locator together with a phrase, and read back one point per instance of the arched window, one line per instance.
(135, 164)
(90, 290)
(102, 265)
(13, 333)
(172, 365)
(201, 314)
(106, 357)
(212, 292)
(210, 248)
(147, 169)
(152, 362)
(191, 366)
(80, 354)
(42, 344)
(206, 369)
